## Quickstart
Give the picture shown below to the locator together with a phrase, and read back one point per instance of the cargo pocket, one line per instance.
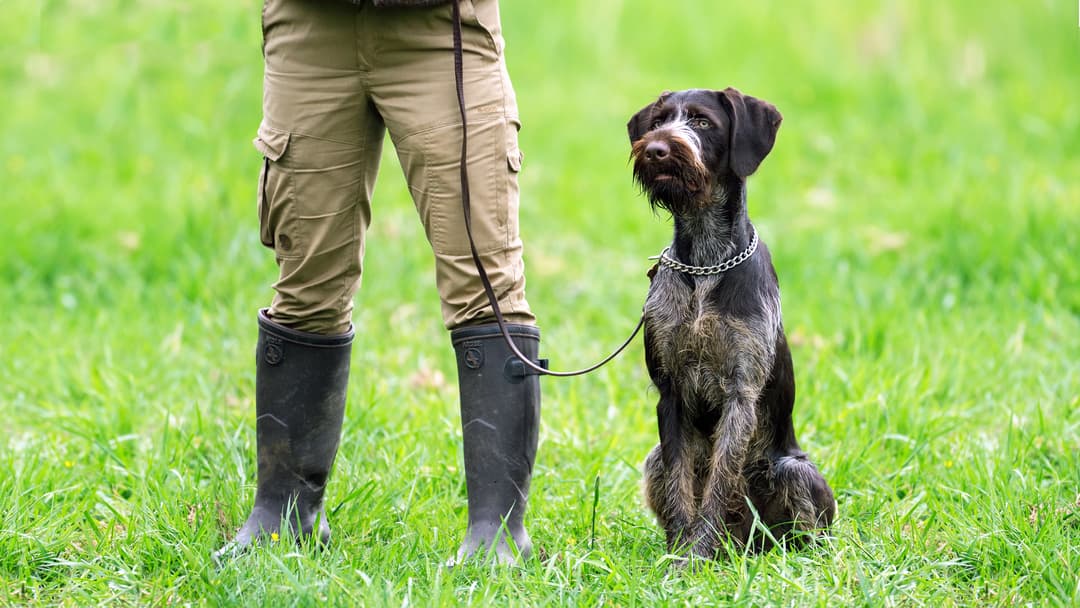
(272, 179)
(435, 179)
(514, 158)
(514, 155)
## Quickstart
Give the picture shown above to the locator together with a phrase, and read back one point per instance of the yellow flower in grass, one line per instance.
(274, 536)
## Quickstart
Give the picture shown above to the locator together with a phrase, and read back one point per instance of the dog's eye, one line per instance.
(656, 124)
(700, 123)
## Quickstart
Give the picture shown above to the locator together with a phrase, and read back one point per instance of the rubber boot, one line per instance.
(500, 423)
(300, 385)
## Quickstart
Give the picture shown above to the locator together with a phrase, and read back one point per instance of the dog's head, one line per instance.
(687, 143)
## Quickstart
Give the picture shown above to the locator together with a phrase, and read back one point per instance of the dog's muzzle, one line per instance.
(669, 168)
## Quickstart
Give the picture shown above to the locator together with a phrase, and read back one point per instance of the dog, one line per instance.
(714, 340)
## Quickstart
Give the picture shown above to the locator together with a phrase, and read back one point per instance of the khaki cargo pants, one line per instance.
(337, 77)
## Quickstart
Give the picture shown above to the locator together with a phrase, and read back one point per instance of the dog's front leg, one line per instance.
(669, 475)
(724, 512)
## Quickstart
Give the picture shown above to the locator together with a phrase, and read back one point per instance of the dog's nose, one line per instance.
(656, 150)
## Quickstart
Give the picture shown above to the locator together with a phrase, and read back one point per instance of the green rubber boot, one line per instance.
(500, 422)
(300, 385)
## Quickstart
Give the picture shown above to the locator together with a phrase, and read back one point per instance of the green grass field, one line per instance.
(923, 209)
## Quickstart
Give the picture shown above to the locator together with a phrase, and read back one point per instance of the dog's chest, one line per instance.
(697, 344)
(682, 321)
(673, 305)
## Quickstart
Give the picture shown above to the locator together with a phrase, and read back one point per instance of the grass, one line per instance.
(921, 205)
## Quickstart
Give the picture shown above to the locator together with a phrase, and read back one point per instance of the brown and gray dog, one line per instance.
(714, 340)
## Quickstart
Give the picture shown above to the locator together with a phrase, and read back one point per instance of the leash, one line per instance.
(466, 206)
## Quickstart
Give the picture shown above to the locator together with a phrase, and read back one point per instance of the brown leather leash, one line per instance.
(467, 209)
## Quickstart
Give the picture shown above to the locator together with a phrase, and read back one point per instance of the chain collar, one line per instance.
(666, 261)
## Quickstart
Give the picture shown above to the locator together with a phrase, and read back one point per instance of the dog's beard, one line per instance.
(679, 182)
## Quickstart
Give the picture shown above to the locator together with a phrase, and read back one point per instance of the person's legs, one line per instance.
(321, 141)
(413, 88)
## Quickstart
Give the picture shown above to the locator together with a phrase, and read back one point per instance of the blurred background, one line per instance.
(922, 205)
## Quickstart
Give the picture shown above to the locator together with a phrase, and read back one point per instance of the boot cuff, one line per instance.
(481, 332)
(302, 337)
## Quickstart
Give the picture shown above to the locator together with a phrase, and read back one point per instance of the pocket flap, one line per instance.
(515, 157)
(270, 142)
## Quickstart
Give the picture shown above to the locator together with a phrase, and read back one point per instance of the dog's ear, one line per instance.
(639, 124)
(754, 123)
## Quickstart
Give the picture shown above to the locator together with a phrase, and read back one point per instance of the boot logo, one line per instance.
(474, 355)
(273, 353)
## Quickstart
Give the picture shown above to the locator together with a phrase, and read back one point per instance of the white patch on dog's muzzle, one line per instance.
(678, 129)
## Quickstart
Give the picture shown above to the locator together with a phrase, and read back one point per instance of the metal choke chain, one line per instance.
(707, 270)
